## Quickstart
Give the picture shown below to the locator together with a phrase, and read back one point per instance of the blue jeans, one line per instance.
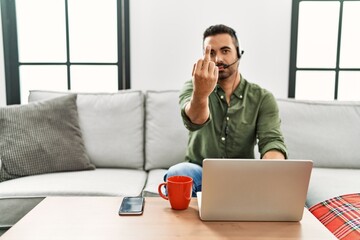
(187, 169)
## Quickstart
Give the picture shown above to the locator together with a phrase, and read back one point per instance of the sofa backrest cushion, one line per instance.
(165, 135)
(325, 132)
(112, 125)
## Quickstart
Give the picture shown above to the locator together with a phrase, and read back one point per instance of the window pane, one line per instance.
(41, 30)
(41, 78)
(317, 34)
(349, 86)
(315, 85)
(93, 30)
(94, 78)
(350, 35)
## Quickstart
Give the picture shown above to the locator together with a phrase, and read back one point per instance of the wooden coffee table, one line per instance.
(97, 218)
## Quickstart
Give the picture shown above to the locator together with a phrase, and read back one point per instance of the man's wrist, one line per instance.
(273, 154)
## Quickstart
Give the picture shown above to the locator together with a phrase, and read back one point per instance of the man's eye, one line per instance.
(226, 51)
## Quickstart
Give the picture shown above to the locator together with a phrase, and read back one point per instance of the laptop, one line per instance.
(253, 190)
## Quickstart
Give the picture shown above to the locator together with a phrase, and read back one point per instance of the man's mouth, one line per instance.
(220, 66)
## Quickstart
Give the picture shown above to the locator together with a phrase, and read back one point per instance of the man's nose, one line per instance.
(217, 59)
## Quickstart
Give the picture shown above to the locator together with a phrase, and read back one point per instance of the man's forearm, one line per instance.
(197, 110)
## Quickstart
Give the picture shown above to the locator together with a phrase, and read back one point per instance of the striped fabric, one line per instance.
(341, 215)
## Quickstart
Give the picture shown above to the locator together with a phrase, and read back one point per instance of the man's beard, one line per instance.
(223, 75)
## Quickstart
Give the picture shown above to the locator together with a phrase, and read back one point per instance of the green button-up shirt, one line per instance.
(233, 130)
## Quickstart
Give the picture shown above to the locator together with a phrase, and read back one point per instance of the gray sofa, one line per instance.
(132, 137)
(328, 133)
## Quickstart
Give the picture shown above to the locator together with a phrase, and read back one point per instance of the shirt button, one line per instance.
(222, 97)
(222, 139)
(240, 96)
(227, 118)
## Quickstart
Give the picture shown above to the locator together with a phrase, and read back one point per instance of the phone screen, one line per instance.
(132, 206)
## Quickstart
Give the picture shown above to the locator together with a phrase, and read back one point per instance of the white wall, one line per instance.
(2, 70)
(166, 40)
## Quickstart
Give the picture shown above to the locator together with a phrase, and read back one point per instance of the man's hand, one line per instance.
(205, 75)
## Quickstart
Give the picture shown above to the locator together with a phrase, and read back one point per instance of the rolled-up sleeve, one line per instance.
(268, 127)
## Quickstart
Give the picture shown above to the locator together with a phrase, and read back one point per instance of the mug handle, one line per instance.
(160, 193)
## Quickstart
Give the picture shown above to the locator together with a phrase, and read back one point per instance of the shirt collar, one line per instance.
(239, 90)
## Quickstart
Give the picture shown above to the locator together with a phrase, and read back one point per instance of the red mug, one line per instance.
(179, 190)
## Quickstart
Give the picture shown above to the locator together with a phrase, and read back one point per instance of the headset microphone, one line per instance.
(228, 65)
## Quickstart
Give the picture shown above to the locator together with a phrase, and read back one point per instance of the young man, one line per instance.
(225, 113)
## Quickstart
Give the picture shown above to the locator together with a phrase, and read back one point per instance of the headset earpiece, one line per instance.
(239, 52)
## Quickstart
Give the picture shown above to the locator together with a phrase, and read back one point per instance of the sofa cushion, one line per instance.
(155, 177)
(112, 125)
(41, 137)
(326, 183)
(165, 135)
(325, 132)
(19, 196)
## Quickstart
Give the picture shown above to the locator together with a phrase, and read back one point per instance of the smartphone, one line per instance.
(132, 206)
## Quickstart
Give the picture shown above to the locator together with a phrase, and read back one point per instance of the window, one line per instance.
(325, 50)
(79, 45)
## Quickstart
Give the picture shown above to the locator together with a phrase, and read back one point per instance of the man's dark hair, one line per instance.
(219, 29)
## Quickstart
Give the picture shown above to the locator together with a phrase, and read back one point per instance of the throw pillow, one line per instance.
(41, 137)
